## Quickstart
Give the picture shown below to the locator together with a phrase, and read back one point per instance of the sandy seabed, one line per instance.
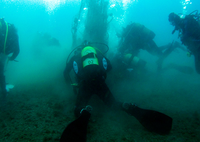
(40, 112)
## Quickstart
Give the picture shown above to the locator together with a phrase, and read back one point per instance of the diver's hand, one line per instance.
(11, 59)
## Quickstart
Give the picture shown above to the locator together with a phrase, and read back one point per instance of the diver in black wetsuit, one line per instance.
(45, 39)
(189, 33)
(9, 44)
(90, 67)
(134, 38)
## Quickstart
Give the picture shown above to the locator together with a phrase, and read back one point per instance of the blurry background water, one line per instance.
(56, 17)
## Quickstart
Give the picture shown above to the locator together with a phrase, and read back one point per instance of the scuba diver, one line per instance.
(133, 38)
(189, 33)
(136, 36)
(90, 67)
(9, 44)
(45, 39)
(43, 42)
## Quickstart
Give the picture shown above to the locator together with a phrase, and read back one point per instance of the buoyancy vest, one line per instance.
(89, 65)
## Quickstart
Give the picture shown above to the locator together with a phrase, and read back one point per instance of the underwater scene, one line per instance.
(99, 71)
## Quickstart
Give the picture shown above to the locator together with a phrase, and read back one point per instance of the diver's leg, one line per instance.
(165, 54)
(105, 94)
(197, 61)
(153, 49)
(83, 96)
(2, 80)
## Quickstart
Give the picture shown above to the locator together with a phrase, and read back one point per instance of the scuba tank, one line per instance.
(79, 49)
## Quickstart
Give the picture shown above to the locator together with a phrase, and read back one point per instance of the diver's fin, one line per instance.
(153, 121)
(76, 131)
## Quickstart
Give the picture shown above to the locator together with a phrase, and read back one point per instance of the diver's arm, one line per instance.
(174, 30)
(153, 49)
(67, 70)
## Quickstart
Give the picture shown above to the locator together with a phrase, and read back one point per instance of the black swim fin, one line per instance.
(76, 131)
(153, 121)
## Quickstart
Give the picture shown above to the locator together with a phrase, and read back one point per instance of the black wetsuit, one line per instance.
(190, 37)
(136, 37)
(12, 46)
(91, 80)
